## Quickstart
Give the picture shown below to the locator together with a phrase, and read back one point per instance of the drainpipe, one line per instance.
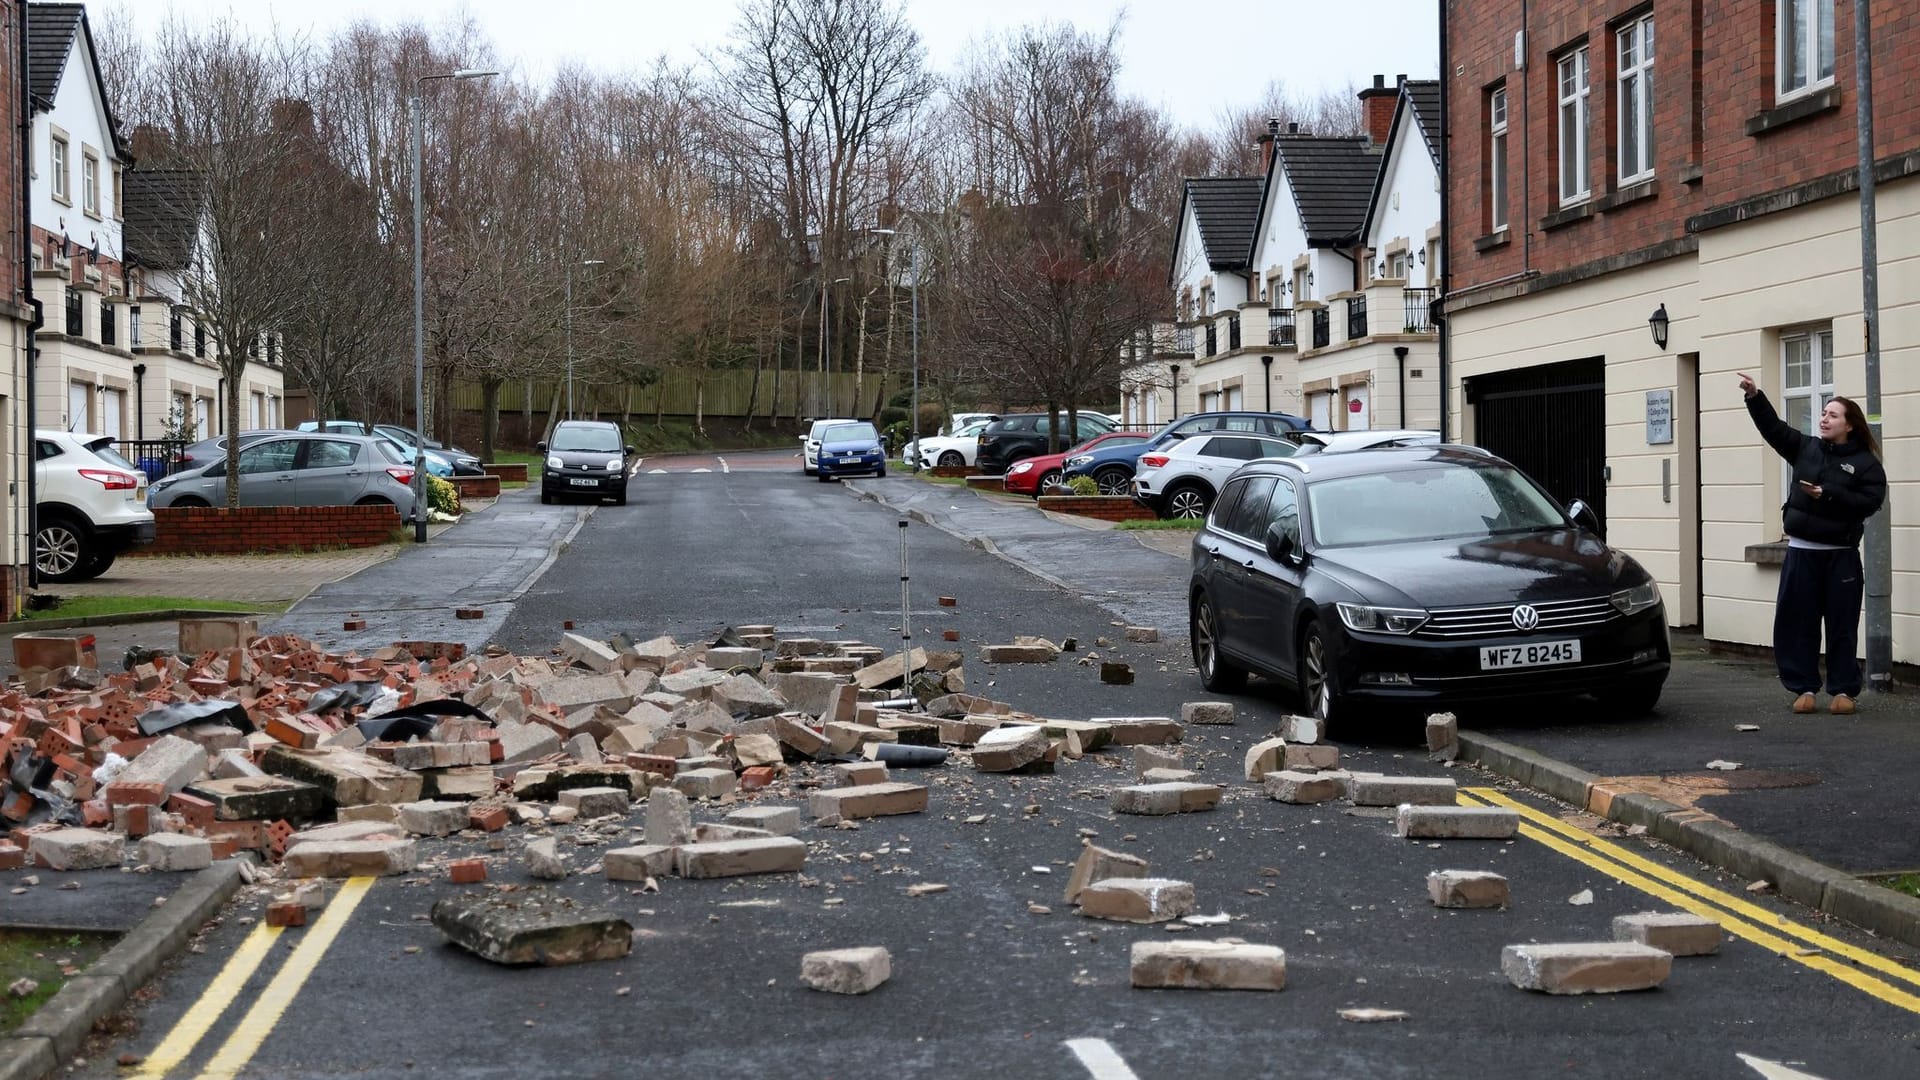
(1438, 307)
(140, 402)
(1266, 367)
(32, 357)
(1400, 355)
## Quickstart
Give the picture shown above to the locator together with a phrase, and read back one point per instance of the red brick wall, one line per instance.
(1104, 507)
(1695, 129)
(13, 284)
(218, 531)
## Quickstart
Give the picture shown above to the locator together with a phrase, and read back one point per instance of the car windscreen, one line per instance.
(1445, 502)
(600, 440)
(845, 433)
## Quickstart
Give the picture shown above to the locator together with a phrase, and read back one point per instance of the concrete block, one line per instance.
(800, 738)
(571, 693)
(706, 783)
(1147, 758)
(888, 670)
(588, 653)
(1156, 799)
(1608, 967)
(1143, 730)
(1305, 757)
(807, 693)
(845, 738)
(706, 832)
(778, 820)
(174, 852)
(433, 818)
(846, 971)
(76, 849)
(1443, 732)
(1169, 776)
(1207, 965)
(1456, 822)
(1137, 899)
(584, 750)
(54, 651)
(967, 730)
(789, 648)
(544, 860)
(1019, 654)
(350, 858)
(235, 765)
(260, 798)
(638, 863)
(170, 761)
(1207, 712)
(597, 802)
(733, 858)
(346, 777)
(1143, 635)
(1307, 788)
(1367, 790)
(867, 800)
(202, 635)
(1303, 729)
(652, 655)
(1262, 758)
(1101, 864)
(669, 819)
(1005, 749)
(1468, 889)
(728, 658)
(1680, 933)
(743, 695)
(536, 929)
(857, 773)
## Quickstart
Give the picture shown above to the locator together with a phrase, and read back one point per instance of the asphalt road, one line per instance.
(984, 985)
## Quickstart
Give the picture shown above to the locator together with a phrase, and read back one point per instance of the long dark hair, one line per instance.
(1857, 422)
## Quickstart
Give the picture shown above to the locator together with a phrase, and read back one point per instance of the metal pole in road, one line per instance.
(1879, 533)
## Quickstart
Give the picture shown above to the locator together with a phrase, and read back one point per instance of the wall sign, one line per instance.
(1659, 417)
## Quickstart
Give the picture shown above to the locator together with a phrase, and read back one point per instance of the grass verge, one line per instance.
(1906, 883)
(48, 959)
(87, 607)
(533, 462)
(1163, 524)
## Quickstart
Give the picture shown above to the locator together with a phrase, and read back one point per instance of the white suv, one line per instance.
(91, 505)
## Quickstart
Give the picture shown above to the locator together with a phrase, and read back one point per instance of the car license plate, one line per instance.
(584, 482)
(855, 460)
(1539, 654)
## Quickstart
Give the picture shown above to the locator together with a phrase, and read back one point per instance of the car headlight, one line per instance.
(1381, 620)
(613, 465)
(1637, 599)
(1021, 466)
(1076, 462)
(554, 462)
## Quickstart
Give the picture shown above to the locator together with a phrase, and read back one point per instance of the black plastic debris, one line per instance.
(729, 639)
(348, 695)
(167, 717)
(139, 654)
(416, 720)
(905, 756)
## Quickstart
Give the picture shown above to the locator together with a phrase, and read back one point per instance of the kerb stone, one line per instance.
(76, 849)
(1473, 889)
(733, 858)
(1207, 712)
(346, 777)
(846, 971)
(173, 853)
(350, 858)
(1100, 864)
(1137, 899)
(1157, 799)
(638, 863)
(1607, 967)
(778, 820)
(1262, 758)
(867, 800)
(1005, 749)
(1293, 786)
(531, 930)
(1394, 790)
(1207, 965)
(1456, 822)
(434, 818)
(1303, 729)
(1677, 932)
(589, 653)
(1301, 757)
(1143, 730)
(170, 761)
(596, 802)
(669, 819)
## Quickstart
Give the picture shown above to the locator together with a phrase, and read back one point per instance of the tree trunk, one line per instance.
(489, 415)
(232, 430)
(553, 414)
(860, 361)
(526, 410)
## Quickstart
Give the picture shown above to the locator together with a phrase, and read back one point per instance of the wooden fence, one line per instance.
(723, 393)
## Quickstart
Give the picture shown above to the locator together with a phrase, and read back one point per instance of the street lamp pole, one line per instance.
(826, 347)
(913, 425)
(420, 306)
(570, 266)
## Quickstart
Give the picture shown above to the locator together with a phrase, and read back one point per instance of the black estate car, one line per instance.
(1420, 575)
(586, 457)
(1015, 436)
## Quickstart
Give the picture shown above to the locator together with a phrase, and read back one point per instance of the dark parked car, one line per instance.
(1422, 575)
(586, 457)
(1112, 467)
(848, 449)
(1018, 436)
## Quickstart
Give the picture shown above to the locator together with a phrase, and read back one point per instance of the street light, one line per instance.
(570, 266)
(826, 345)
(420, 307)
(914, 426)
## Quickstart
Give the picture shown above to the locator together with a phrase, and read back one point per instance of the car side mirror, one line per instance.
(629, 451)
(540, 446)
(1583, 516)
(1282, 547)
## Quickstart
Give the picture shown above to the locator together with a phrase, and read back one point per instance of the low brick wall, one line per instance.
(510, 471)
(479, 487)
(1104, 507)
(952, 472)
(987, 483)
(201, 530)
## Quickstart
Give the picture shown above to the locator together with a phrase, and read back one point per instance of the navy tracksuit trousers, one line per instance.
(1816, 588)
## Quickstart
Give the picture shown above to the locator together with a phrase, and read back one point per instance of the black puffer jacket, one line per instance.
(1852, 483)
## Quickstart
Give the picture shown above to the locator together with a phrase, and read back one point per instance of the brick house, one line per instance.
(16, 317)
(1586, 195)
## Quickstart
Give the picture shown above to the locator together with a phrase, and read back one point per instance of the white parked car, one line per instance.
(960, 448)
(1181, 480)
(810, 443)
(1339, 442)
(910, 453)
(91, 505)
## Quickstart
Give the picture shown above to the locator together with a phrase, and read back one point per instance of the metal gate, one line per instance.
(1551, 422)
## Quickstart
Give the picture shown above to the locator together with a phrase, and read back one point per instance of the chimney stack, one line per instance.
(1266, 144)
(1379, 101)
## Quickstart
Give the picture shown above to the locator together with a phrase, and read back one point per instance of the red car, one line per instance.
(1030, 476)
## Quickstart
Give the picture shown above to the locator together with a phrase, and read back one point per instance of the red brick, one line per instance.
(135, 793)
(757, 777)
(286, 913)
(467, 871)
(11, 857)
(488, 818)
(198, 812)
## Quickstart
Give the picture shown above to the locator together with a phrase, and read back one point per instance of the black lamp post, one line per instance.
(1266, 370)
(1658, 321)
(1176, 390)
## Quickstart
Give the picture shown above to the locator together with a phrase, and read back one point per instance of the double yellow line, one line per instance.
(253, 1028)
(1738, 916)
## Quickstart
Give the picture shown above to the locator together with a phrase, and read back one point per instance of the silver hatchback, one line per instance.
(299, 469)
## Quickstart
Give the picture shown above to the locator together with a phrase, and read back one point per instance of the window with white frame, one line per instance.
(1302, 284)
(1497, 160)
(1804, 35)
(1806, 378)
(1574, 116)
(1397, 265)
(90, 183)
(1635, 103)
(57, 163)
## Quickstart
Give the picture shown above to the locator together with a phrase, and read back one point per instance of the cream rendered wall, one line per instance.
(77, 111)
(1409, 200)
(1779, 272)
(1607, 316)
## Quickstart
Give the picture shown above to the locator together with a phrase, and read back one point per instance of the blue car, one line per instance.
(850, 449)
(1112, 467)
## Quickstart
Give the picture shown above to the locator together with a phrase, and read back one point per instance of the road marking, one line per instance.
(1735, 904)
(703, 469)
(723, 463)
(259, 1021)
(655, 472)
(1584, 852)
(1774, 1070)
(1101, 1059)
(219, 994)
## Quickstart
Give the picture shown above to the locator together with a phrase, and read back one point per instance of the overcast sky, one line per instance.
(1195, 60)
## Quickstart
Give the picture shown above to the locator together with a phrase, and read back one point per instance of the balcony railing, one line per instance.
(1233, 333)
(156, 457)
(1356, 317)
(1419, 308)
(106, 323)
(1183, 340)
(1213, 339)
(76, 318)
(133, 328)
(1280, 327)
(1322, 327)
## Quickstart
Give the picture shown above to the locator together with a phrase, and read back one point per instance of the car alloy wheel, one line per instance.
(1187, 502)
(1316, 677)
(1050, 478)
(1216, 672)
(60, 551)
(1114, 481)
(952, 459)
